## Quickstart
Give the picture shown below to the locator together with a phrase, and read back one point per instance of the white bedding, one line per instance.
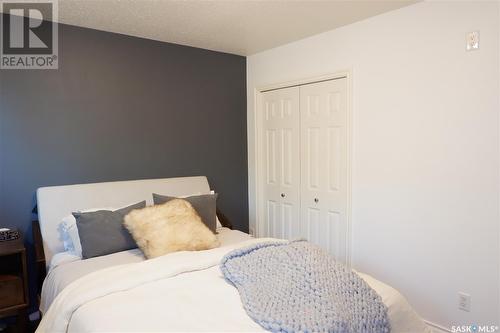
(182, 291)
(66, 267)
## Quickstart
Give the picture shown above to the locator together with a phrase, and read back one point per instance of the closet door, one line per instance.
(324, 165)
(281, 163)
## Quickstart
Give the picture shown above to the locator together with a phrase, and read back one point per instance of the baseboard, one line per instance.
(437, 328)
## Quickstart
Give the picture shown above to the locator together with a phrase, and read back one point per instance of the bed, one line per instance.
(183, 291)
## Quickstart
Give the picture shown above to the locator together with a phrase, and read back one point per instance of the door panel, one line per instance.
(272, 158)
(313, 158)
(324, 157)
(271, 216)
(282, 164)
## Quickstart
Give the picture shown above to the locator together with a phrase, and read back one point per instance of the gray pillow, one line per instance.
(102, 232)
(204, 204)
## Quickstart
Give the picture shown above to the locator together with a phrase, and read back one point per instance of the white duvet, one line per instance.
(179, 292)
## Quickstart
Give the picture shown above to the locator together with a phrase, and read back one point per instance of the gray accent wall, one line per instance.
(122, 108)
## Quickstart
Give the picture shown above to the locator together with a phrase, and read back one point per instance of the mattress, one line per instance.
(197, 300)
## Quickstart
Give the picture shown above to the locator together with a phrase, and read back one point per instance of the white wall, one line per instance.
(425, 148)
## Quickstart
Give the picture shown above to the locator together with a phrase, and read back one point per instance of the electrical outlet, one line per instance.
(464, 301)
(472, 40)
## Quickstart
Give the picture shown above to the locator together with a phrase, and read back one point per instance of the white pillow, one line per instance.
(71, 240)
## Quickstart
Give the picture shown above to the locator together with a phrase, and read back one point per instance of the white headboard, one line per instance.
(56, 202)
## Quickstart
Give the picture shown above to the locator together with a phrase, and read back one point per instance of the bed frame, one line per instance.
(56, 202)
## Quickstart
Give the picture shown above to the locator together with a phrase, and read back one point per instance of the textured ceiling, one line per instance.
(239, 27)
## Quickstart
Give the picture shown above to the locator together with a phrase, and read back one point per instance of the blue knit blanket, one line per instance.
(298, 287)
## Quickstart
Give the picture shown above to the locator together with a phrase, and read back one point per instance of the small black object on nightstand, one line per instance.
(14, 281)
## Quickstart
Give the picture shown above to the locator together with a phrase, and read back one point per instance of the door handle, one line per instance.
(316, 200)
(282, 195)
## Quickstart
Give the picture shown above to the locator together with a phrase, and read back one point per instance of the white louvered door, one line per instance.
(281, 163)
(324, 168)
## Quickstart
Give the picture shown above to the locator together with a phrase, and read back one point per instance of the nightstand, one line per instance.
(14, 281)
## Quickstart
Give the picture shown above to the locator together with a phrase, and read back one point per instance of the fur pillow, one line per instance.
(170, 227)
